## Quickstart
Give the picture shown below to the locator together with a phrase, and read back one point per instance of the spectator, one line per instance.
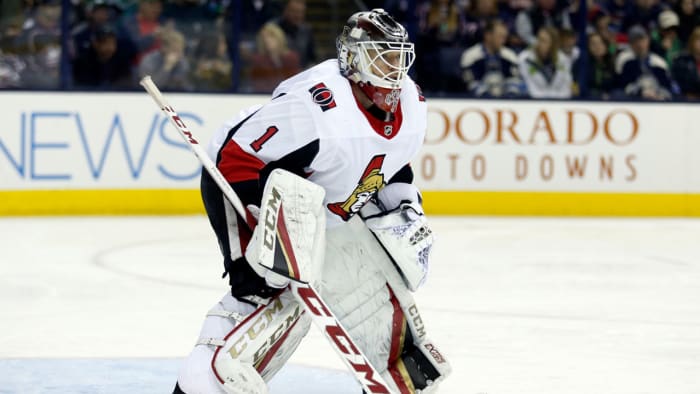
(212, 68)
(191, 12)
(273, 61)
(10, 70)
(542, 67)
(12, 64)
(572, 10)
(10, 9)
(665, 41)
(689, 18)
(569, 50)
(438, 41)
(600, 74)
(545, 13)
(168, 66)
(442, 21)
(192, 18)
(479, 13)
(42, 41)
(98, 14)
(490, 68)
(299, 35)
(515, 6)
(639, 72)
(104, 65)
(686, 67)
(254, 14)
(144, 27)
(602, 25)
(644, 13)
(617, 9)
(11, 27)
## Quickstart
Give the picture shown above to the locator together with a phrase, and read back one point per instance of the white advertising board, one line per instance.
(104, 141)
(560, 146)
(122, 141)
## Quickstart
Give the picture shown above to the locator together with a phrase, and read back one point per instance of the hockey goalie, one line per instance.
(327, 158)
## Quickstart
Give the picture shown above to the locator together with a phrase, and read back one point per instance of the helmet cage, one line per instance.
(384, 64)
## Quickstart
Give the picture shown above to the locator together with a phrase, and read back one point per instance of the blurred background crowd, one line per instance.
(593, 49)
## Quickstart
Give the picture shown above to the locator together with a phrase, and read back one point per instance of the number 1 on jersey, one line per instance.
(258, 143)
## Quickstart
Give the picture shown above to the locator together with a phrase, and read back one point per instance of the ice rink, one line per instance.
(519, 306)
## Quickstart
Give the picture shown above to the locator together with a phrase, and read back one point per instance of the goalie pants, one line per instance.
(356, 289)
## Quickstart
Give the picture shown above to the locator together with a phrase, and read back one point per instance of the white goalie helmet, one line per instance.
(375, 53)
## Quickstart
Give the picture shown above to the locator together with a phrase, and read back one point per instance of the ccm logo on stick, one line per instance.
(180, 124)
(343, 342)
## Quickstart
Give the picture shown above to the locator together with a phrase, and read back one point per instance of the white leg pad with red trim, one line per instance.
(261, 344)
(355, 289)
(241, 347)
(240, 377)
(370, 298)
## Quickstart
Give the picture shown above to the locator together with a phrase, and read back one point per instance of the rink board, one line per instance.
(92, 153)
(174, 201)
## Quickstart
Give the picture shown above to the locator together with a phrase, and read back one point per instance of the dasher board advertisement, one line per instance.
(116, 153)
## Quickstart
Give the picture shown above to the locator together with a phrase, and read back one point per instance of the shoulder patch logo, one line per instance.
(370, 182)
(322, 96)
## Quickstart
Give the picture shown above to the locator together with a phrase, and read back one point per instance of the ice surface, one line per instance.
(120, 376)
(522, 306)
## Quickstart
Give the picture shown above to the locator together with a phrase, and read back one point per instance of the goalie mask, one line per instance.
(374, 52)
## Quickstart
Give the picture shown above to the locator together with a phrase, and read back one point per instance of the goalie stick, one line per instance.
(368, 377)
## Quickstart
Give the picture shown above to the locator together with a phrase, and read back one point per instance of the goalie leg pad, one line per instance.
(414, 365)
(366, 292)
(196, 374)
(356, 292)
(264, 341)
(419, 368)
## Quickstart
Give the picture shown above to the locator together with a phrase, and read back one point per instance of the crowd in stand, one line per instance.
(643, 49)
(185, 45)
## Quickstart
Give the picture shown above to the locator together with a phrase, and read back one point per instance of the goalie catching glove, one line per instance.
(402, 230)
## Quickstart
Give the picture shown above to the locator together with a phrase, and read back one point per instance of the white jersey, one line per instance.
(315, 127)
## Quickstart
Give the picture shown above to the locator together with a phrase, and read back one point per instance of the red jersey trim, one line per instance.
(386, 130)
(237, 165)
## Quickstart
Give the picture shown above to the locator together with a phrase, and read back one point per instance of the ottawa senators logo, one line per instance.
(371, 181)
(322, 96)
